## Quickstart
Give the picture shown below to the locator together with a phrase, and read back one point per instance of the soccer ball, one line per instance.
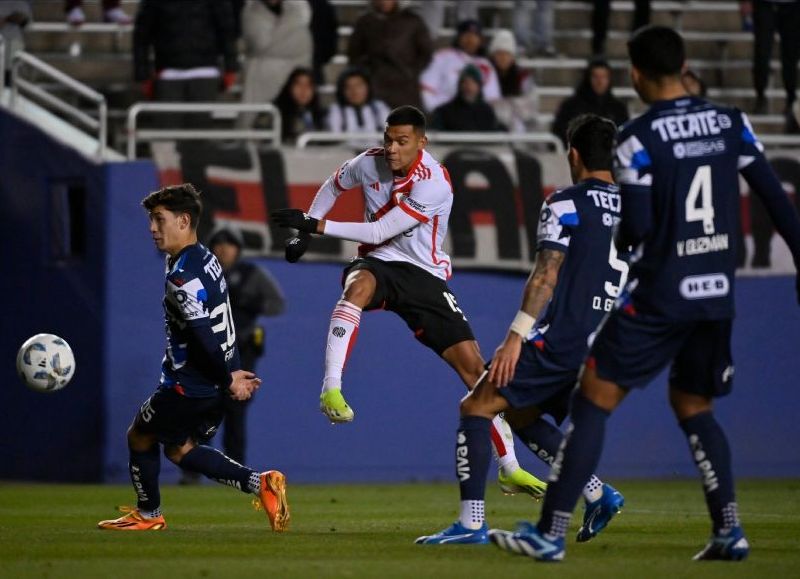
(45, 363)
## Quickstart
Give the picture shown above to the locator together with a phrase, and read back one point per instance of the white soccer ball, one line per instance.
(45, 363)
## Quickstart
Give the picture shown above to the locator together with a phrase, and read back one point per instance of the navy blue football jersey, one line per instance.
(579, 220)
(197, 315)
(685, 156)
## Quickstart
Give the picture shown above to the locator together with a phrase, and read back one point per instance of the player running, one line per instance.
(678, 167)
(534, 370)
(401, 267)
(200, 368)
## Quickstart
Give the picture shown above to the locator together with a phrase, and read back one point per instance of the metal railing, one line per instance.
(439, 137)
(83, 120)
(136, 134)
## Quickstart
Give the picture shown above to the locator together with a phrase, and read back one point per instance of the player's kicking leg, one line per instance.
(359, 289)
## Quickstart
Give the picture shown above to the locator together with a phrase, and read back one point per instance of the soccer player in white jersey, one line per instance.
(401, 267)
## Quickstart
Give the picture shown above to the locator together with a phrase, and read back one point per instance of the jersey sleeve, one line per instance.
(425, 199)
(556, 220)
(633, 171)
(751, 147)
(188, 298)
(347, 176)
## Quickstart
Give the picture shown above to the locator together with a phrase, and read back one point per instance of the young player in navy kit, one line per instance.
(200, 368)
(678, 167)
(576, 279)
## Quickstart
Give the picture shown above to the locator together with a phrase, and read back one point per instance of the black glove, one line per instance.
(296, 246)
(295, 219)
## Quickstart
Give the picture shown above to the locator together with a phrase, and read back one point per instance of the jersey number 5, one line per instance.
(619, 265)
(700, 189)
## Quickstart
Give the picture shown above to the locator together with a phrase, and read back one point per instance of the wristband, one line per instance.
(523, 324)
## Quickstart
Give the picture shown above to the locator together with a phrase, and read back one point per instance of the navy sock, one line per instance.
(711, 454)
(575, 462)
(144, 468)
(473, 456)
(215, 465)
(542, 438)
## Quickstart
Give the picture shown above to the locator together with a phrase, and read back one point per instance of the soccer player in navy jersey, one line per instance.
(201, 367)
(575, 281)
(678, 167)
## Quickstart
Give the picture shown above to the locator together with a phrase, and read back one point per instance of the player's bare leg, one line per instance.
(711, 454)
(359, 289)
(465, 358)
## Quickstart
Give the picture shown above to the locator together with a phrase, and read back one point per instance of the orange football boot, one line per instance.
(272, 499)
(132, 520)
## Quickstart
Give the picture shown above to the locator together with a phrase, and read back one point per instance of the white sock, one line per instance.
(341, 337)
(593, 489)
(503, 445)
(472, 514)
(151, 514)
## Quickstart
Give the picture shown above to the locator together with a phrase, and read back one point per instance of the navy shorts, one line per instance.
(173, 418)
(539, 382)
(631, 349)
(423, 300)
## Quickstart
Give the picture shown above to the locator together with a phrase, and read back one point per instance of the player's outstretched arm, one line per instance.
(537, 293)
(763, 181)
(393, 223)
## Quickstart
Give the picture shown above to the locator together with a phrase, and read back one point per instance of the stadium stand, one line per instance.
(99, 54)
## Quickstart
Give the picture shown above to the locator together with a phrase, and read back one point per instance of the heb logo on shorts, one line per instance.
(698, 287)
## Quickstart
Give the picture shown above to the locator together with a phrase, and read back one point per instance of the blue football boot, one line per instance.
(599, 513)
(457, 534)
(527, 540)
(730, 545)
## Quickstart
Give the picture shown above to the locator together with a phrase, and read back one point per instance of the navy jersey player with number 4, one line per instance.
(200, 368)
(678, 167)
(577, 277)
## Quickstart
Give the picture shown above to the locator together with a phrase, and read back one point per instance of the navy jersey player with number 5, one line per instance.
(678, 167)
(200, 368)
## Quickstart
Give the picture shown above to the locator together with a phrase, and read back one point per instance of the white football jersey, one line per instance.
(425, 194)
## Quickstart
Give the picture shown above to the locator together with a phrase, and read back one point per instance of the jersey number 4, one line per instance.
(700, 190)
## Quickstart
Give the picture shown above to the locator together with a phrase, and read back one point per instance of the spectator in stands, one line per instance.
(439, 82)
(14, 17)
(188, 39)
(355, 109)
(325, 33)
(277, 40)
(433, 13)
(592, 95)
(533, 26)
(467, 111)
(770, 16)
(393, 44)
(111, 12)
(693, 84)
(517, 107)
(600, 18)
(298, 103)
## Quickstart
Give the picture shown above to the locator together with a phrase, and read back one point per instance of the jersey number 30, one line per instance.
(225, 324)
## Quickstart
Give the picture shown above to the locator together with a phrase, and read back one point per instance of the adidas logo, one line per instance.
(376, 186)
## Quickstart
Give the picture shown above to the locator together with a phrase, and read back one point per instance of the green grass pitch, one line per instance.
(368, 531)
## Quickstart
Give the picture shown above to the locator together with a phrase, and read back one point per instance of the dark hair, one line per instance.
(593, 137)
(182, 198)
(290, 110)
(346, 75)
(407, 115)
(657, 51)
(225, 236)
